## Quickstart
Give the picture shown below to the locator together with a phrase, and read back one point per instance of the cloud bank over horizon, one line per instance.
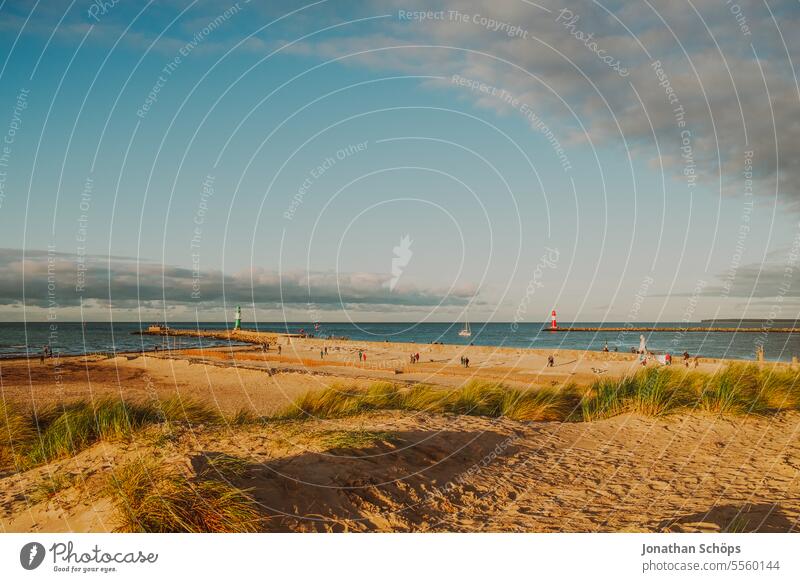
(45, 279)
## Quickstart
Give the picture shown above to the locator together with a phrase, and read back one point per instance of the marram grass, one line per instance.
(32, 439)
(354, 439)
(16, 431)
(27, 440)
(477, 398)
(654, 392)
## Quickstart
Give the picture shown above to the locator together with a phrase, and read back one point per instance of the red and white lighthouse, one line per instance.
(553, 322)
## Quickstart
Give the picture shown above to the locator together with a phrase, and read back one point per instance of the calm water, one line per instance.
(18, 339)
(75, 338)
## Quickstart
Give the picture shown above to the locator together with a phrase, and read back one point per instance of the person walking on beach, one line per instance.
(466, 362)
(551, 361)
(321, 355)
(279, 349)
(360, 353)
(686, 359)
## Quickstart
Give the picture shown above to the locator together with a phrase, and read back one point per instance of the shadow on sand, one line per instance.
(412, 482)
(765, 517)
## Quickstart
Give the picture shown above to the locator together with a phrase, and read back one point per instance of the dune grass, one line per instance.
(355, 439)
(28, 440)
(50, 486)
(651, 392)
(152, 499)
(654, 392)
(477, 398)
(738, 389)
(16, 430)
(224, 466)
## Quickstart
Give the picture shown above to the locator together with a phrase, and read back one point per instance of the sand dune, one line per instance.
(445, 473)
(410, 471)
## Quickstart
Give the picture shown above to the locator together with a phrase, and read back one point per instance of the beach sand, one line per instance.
(235, 378)
(435, 472)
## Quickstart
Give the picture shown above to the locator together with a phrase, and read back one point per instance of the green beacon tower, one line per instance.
(238, 323)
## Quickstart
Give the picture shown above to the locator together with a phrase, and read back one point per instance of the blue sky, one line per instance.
(324, 133)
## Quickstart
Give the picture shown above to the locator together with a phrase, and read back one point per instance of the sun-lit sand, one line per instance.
(435, 472)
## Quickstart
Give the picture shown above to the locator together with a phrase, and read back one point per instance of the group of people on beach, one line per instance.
(666, 359)
(464, 362)
(265, 348)
(46, 352)
(414, 358)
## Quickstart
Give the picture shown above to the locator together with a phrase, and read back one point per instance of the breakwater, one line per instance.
(233, 335)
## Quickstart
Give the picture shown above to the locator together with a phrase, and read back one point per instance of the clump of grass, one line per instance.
(542, 405)
(477, 398)
(650, 392)
(736, 390)
(355, 439)
(381, 395)
(16, 430)
(187, 410)
(659, 391)
(606, 398)
(780, 389)
(58, 432)
(78, 425)
(224, 466)
(244, 417)
(338, 401)
(152, 499)
(50, 486)
(424, 398)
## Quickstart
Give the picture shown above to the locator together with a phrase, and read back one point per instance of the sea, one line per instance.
(27, 339)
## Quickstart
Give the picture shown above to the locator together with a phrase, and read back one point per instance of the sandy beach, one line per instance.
(233, 378)
(399, 470)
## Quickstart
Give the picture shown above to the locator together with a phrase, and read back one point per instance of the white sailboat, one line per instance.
(466, 331)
